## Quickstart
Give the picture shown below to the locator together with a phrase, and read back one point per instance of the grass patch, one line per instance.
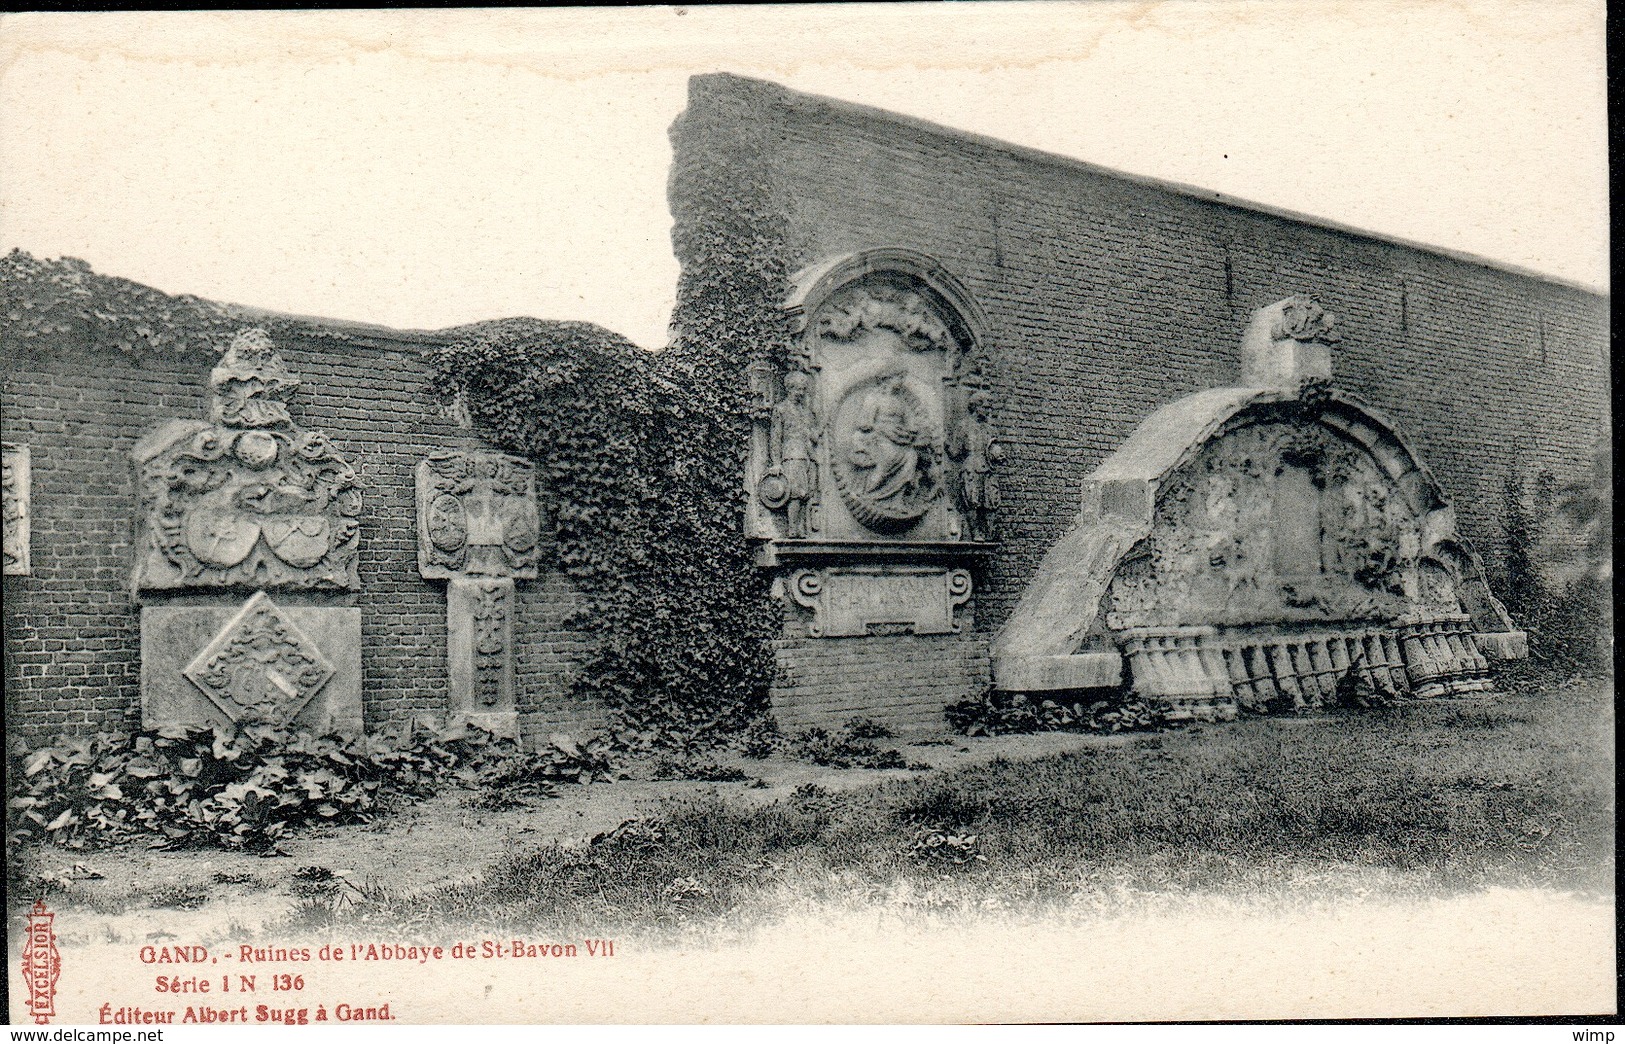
(1447, 796)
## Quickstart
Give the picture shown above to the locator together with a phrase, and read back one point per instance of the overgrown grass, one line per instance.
(1428, 797)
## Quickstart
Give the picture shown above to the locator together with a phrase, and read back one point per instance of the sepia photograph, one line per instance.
(884, 514)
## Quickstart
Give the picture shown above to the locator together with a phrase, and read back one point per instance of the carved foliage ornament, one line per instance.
(260, 668)
(491, 628)
(1273, 522)
(477, 516)
(251, 500)
(1302, 319)
(883, 306)
(14, 483)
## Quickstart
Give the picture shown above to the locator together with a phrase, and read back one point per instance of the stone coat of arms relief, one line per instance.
(478, 529)
(250, 500)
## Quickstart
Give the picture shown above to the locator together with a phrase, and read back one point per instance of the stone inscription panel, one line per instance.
(216, 665)
(856, 601)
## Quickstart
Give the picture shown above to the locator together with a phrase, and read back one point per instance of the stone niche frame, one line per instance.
(872, 478)
(891, 331)
(1281, 492)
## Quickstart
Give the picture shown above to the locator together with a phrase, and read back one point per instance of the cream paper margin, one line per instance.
(1495, 953)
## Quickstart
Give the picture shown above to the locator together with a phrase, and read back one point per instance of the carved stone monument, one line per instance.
(861, 600)
(262, 663)
(871, 484)
(247, 501)
(478, 527)
(1271, 545)
(15, 485)
(250, 500)
(877, 430)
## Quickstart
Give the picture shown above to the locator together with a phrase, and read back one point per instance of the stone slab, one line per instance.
(1094, 670)
(1502, 645)
(173, 636)
(858, 601)
(479, 653)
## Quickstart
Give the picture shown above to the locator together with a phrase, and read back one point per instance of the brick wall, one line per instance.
(1109, 297)
(900, 681)
(72, 629)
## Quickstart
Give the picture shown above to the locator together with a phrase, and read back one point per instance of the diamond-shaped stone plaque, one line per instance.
(261, 667)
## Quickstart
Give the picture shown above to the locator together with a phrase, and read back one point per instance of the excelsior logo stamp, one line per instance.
(41, 963)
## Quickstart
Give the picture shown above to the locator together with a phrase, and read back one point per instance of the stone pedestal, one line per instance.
(295, 666)
(479, 633)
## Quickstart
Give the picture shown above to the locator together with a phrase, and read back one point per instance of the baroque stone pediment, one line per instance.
(250, 500)
(1271, 544)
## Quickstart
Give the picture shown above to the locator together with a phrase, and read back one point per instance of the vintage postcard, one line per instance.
(935, 514)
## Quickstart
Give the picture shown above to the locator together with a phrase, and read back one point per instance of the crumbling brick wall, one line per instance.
(73, 659)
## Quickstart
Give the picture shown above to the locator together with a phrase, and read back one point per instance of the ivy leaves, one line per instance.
(249, 789)
(641, 457)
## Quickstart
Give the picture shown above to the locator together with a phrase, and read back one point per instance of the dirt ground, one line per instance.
(1366, 952)
(134, 893)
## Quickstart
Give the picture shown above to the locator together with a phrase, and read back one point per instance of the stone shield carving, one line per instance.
(477, 516)
(249, 501)
(14, 467)
(260, 668)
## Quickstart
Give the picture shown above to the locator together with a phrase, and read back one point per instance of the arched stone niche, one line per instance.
(1258, 546)
(872, 487)
(878, 428)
